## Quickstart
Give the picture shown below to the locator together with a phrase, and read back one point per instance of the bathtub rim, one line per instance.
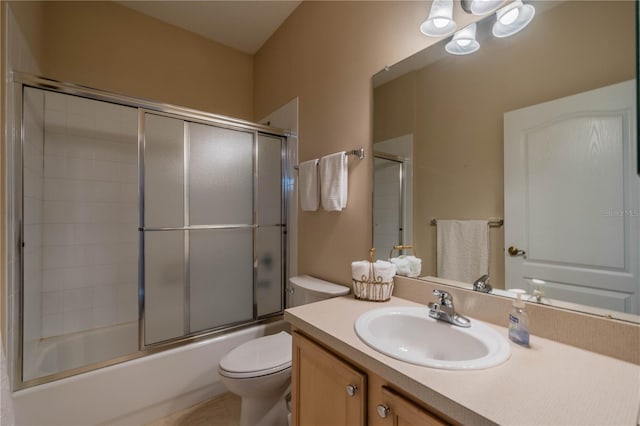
(148, 350)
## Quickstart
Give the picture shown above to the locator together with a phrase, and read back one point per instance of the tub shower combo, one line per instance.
(136, 227)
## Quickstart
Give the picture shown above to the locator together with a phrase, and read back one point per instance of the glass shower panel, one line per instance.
(269, 289)
(33, 207)
(163, 172)
(269, 180)
(80, 232)
(221, 277)
(164, 260)
(220, 176)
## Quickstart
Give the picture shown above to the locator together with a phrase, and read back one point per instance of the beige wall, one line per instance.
(394, 108)
(110, 47)
(458, 165)
(326, 53)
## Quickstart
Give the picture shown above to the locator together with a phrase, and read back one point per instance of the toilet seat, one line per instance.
(258, 357)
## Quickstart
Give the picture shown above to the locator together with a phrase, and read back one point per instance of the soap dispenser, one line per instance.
(519, 320)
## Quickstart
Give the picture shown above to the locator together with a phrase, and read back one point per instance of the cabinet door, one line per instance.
(326, 391)
(402, 412)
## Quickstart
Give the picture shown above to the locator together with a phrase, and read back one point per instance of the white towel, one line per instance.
(402, 265)
(334, 176)
(415, 266)
(361, 270)
(409, 266)
(308, 182)
(463, 249)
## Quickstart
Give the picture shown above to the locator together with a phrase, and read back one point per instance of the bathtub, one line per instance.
(63, 353)
(133, 392)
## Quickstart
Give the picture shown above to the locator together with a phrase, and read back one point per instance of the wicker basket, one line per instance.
(372, 287)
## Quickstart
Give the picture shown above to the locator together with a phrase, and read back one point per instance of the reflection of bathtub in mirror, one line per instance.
(459, 170)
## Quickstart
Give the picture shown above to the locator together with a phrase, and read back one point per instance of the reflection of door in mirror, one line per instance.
(571, 198)
(392, 199)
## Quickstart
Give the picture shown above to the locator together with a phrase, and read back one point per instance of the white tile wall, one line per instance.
(89, 210)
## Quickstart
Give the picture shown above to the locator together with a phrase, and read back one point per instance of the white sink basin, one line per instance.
(410, 335)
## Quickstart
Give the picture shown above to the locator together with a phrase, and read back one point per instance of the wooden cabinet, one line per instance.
(321, 395)
(326, 391)
(395, 410)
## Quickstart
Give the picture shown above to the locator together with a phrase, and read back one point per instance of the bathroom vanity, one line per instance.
(349, 395)
(344, 381)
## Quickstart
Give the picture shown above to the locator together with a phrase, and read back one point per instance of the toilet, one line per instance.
(259, 371)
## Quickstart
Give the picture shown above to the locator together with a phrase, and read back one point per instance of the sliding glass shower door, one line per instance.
(212, 226)
(135, 226)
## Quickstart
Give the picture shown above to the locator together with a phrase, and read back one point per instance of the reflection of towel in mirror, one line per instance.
(463, 249)
(361, 270)
(409, 266)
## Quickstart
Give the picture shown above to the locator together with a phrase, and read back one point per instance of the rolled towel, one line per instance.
(402, 265)
(385, 270)
(361, 270)
(415, 266)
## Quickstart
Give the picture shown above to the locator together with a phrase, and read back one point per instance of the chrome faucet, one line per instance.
(482, 284)
(444, 310)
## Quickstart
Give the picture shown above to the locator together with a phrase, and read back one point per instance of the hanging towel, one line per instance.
(308, 181)
(334, 175)
(463, 249)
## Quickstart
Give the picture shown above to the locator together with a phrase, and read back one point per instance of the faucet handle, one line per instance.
(443, 297)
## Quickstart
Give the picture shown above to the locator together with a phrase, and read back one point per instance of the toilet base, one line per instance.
(265, 411)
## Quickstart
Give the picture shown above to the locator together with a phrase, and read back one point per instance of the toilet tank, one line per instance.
(304, 289)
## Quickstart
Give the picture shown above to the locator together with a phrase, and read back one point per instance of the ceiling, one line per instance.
(244, 25)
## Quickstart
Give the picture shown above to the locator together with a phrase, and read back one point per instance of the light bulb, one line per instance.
(440, 22)
(464, 41)
(510, 17)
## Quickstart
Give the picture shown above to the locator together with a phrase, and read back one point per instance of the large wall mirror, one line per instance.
(535, 134)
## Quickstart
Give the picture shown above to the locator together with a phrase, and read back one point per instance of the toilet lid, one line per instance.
(258, 357)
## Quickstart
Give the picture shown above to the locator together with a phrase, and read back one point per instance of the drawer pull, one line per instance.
(351, 390)
(383, 410)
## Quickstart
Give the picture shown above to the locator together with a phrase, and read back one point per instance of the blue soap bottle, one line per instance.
(519, 320)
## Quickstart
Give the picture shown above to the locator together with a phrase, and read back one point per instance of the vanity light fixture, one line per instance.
(513, 18)
(480, 7)
(464, 41)
(440, 21)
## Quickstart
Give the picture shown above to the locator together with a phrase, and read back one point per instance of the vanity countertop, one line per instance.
(547, 384)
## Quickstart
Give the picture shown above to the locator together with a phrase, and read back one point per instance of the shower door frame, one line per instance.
(15, 223)
(401, 190)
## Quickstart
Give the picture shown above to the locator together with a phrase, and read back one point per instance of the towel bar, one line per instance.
(357, 152)
(493, 223)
